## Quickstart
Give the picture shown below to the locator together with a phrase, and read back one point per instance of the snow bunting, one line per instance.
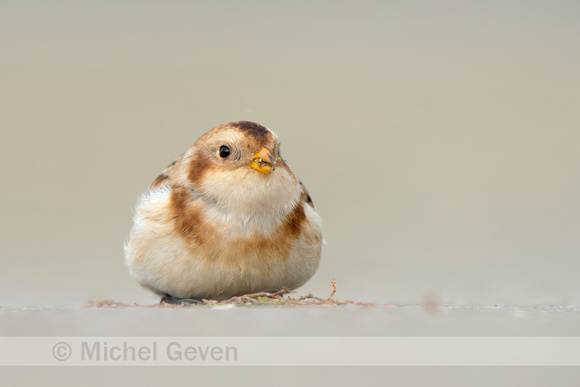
(226, 218)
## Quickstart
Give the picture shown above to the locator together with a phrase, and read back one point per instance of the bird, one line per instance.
(226, 218)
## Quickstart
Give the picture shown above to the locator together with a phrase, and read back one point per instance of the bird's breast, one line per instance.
(215, 235)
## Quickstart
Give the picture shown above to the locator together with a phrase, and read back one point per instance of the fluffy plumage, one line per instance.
(215, 227)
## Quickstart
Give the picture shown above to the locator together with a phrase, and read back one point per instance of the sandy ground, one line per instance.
(398, 320)
(292, 376)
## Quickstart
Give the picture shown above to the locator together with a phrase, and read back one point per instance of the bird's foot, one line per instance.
(169, 299)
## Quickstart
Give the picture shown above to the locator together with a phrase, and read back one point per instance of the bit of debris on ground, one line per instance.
(279, 298)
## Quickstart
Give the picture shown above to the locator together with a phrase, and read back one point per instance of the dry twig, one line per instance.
(333, 289)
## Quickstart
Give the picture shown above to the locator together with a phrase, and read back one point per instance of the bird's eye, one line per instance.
(224, 151)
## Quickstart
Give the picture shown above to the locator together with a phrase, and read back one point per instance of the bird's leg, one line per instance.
(169, 299)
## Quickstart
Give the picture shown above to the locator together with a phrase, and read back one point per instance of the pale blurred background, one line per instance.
(439, 140)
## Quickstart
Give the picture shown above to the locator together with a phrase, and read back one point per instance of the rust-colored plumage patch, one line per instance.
(259, 248)
(260, 133)
(188, 219)
(293, 223)
(200, 164)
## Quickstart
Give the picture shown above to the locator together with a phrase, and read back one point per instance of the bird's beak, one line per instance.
(264, 162)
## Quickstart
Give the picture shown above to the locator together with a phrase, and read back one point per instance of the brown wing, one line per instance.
(305, 196)
(166, 175)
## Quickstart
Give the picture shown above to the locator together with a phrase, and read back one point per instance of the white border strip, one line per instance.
(290, 351)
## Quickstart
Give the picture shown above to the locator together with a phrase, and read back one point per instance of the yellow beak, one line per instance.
(263, 162)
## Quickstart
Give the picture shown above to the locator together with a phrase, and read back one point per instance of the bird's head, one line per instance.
(238, 166)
